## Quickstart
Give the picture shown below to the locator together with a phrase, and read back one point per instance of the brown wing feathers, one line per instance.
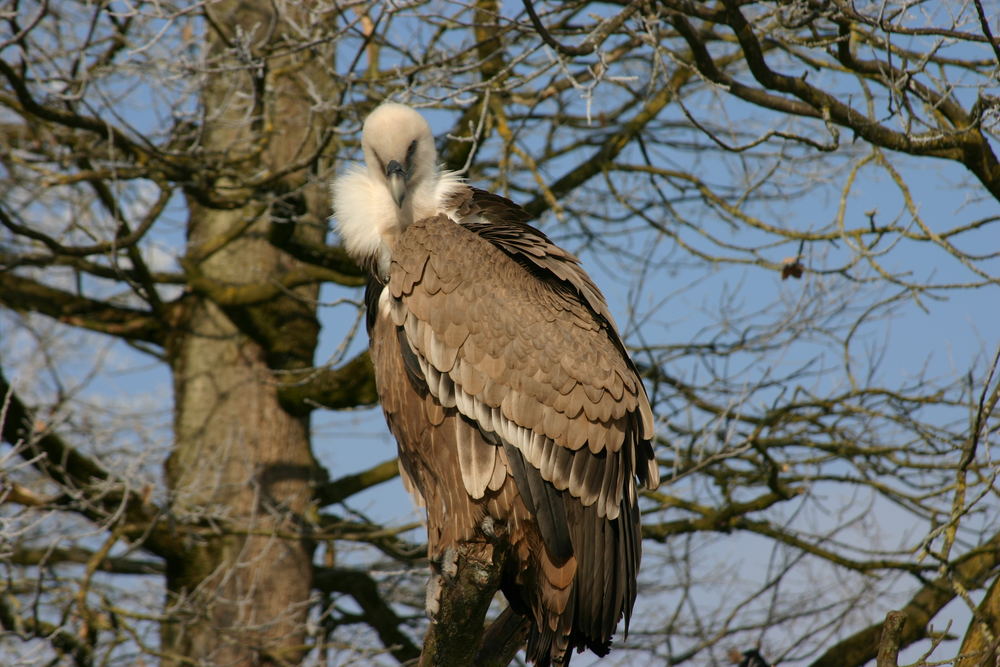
(529, 383)
(544, 502)
(513, 359)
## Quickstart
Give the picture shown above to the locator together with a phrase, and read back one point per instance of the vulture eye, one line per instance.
(410, 150)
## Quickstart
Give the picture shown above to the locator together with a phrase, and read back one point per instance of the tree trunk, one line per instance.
(244, 463)
(241, 472)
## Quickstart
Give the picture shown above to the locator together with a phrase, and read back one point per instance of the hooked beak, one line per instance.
(396, 176)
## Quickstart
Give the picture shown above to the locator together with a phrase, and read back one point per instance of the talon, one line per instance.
(432, 603)
(449, 563)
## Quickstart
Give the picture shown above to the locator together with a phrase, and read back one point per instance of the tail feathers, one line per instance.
(602, 590)
(548, 648)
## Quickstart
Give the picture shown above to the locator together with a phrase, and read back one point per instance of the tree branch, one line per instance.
(48, 557)
(346, 486)
(73, 471)
(69, 119)
(33, 628)
(256, 293)
(965, 145)
(352, 385)
(862, 646)
(23, 294)
(593, 41)
(612, 146)
(463, 598)
(360, 586)
(502, 640)
(981, 647)
(124, 240)
(985, 24)
(888, 645)
(333, 258)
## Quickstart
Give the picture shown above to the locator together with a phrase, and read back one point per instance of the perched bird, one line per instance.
(505, 383)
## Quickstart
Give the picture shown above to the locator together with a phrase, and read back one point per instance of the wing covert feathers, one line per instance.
(511, 395)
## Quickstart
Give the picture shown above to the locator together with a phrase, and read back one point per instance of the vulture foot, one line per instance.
(432, 604)
(449, 563)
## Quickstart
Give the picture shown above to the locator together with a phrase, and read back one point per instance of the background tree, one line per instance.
(751, 182)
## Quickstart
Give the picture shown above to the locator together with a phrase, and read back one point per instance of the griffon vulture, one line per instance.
(505, 383)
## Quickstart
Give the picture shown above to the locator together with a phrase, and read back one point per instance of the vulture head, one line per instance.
(399, 183)
(399, 150)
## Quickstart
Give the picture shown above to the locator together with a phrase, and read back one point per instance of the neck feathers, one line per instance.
(368, 220)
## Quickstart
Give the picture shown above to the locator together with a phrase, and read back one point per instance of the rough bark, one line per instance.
(241, 458)
(462, 594)
(236, 597)
(504, 637)
(980, 647)
(888, 646)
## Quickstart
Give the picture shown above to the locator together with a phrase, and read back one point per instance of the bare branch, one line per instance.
(360, 586)
(23, 294)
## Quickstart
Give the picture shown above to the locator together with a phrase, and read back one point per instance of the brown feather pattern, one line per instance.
(511, 396)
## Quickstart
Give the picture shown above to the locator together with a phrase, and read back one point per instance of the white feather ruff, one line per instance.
(367, 218)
